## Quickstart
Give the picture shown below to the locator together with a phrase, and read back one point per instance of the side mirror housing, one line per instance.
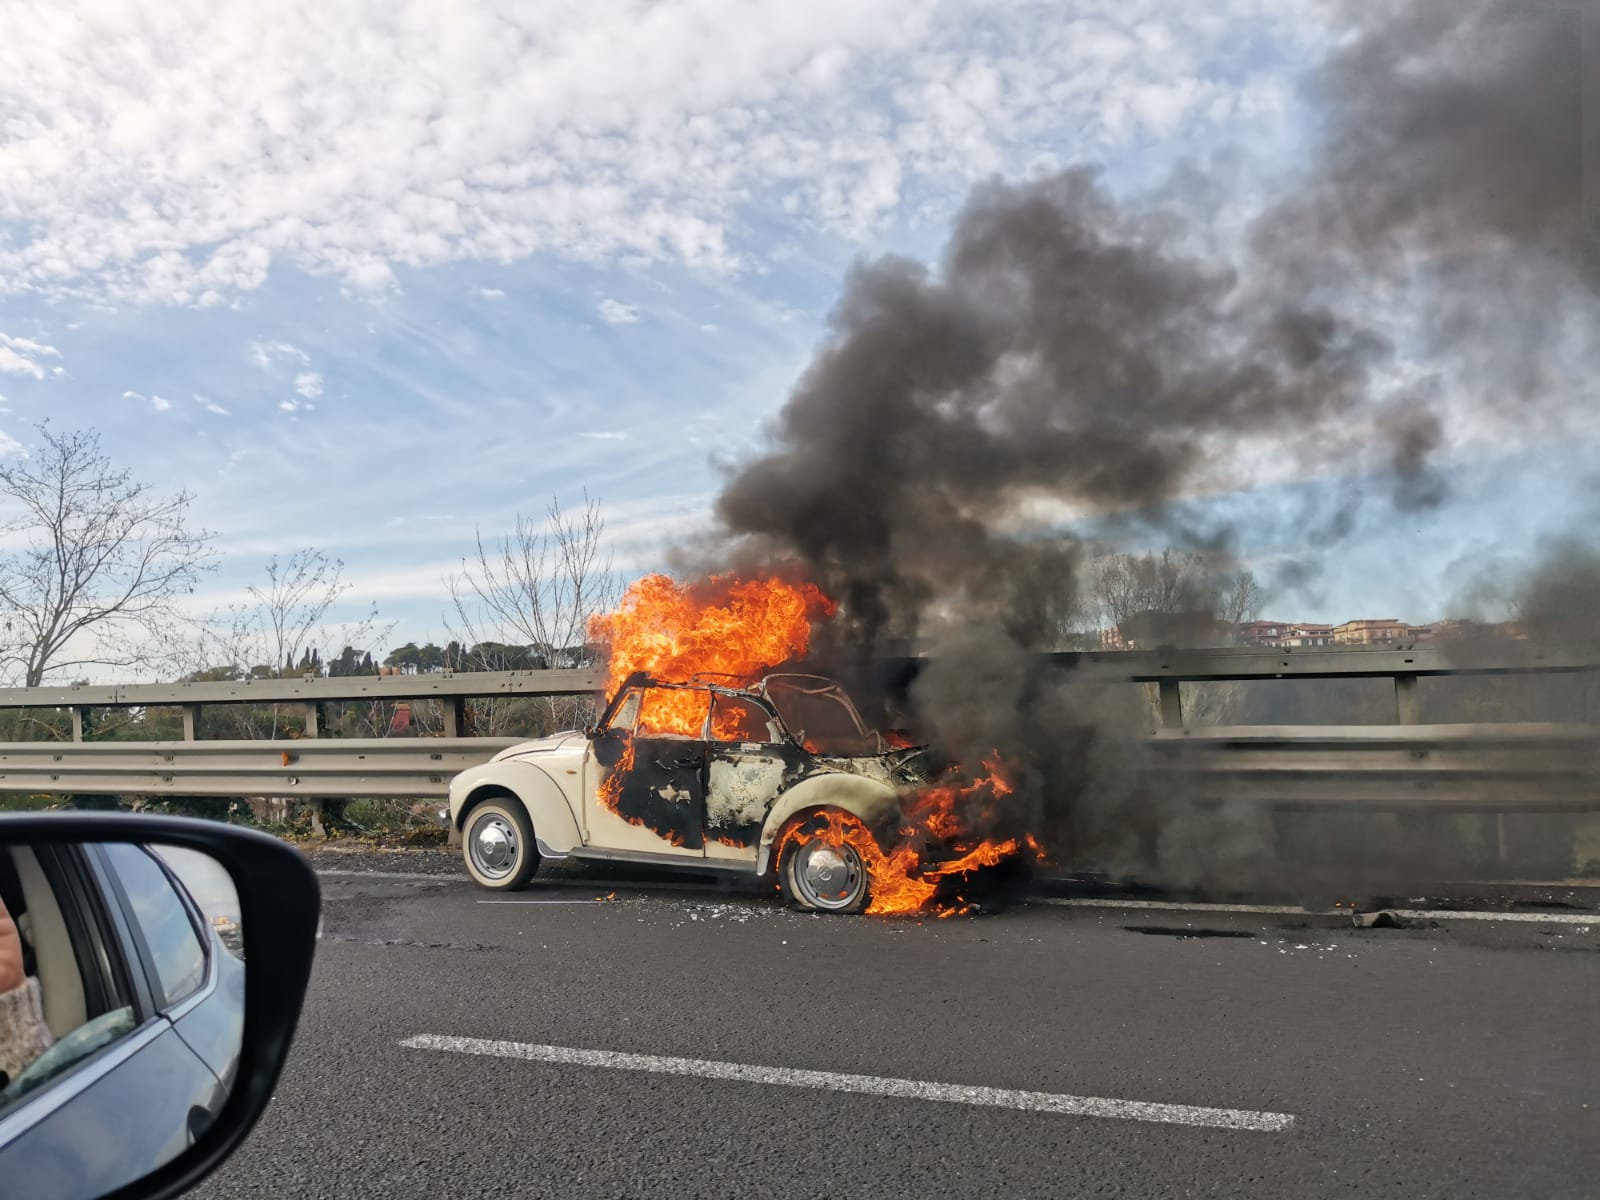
(609, 747)
(232, 1010)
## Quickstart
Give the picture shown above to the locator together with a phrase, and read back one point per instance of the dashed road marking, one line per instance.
(867, 1085)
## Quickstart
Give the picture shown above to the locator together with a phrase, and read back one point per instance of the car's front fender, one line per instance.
(874, 803)
(554, 822)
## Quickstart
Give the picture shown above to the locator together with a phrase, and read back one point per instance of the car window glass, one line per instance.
(627, 713)
(734, 719)
(211, 888)
(163, 920)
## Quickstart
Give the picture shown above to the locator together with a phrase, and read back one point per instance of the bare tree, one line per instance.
(1127, 585)
(284, 624)
(535, 587)
(103, 560)
(1240, 597)
(283, 630)
(1184, 597)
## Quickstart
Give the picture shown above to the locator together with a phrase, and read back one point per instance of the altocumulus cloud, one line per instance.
(177, 152)
(24, 356)
(614, 312)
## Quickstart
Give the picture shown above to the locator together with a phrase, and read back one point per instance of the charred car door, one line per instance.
(650, 779)
(749, 765)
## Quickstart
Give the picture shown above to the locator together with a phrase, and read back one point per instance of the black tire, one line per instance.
(817, 873)
(497, 844)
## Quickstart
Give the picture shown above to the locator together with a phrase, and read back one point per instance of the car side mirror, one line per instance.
(152, 971)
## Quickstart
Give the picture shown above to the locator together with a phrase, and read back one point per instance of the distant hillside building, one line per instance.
(1380, 631)
(1281, 634)
(1263, 633)
(1302, 635)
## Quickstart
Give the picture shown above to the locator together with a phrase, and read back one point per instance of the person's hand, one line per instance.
(11, 975)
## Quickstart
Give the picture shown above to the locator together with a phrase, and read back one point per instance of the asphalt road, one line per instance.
(1456, 1059)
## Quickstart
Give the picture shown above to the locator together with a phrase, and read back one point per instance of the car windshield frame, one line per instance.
(819, 686)
(813, 686)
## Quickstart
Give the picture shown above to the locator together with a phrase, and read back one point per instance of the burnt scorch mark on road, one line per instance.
(1186, 932)
(410, 943)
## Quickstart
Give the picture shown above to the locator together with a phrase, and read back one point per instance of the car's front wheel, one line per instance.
(820, 871)
(497, 844)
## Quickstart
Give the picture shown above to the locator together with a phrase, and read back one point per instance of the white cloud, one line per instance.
(159, 403)
(177, 153)
(605, 435)
(211, 406)
(20, 356)
(308, 384)
(264, 354)
(488, 293)
(10, 447)
(614, 312)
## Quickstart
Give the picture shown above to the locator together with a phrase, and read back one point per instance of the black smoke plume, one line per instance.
(1076, 353)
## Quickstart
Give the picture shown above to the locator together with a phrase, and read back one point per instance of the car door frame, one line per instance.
(646, 816)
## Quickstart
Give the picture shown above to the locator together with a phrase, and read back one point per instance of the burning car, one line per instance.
(781, 777)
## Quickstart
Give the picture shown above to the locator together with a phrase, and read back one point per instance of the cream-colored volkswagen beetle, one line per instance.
(765, 765)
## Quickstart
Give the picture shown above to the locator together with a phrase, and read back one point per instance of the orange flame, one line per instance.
(900, 882)
(725, 626)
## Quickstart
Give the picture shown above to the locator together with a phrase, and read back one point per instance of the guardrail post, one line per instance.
(1170, 694)
(455, 716)
(313, 720)
(1405, 699)
(191, 722)
(77, 723)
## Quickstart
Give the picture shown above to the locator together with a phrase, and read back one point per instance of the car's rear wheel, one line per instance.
(819, 871)
(497, 844)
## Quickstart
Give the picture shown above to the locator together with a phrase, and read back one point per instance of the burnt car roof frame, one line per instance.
(756, 693)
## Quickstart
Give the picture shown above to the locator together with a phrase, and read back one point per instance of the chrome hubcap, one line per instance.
(827, 875)
(493, 846)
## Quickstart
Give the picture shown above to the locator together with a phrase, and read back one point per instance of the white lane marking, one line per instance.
(868, 1085)
(546, 902)
(1431, 914)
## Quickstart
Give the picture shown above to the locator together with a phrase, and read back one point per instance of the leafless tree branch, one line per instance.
(103, 560)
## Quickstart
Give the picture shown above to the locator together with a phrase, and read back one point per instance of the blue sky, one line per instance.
(369, 278)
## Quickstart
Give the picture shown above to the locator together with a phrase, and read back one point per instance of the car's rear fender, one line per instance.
(554, 823)
(876, 805)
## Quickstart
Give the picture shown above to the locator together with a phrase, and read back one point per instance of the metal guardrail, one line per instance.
(311, 689)
(1459, 768)
(1168, 669)
(386, 768)
(309, 693)
(1470, 767)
